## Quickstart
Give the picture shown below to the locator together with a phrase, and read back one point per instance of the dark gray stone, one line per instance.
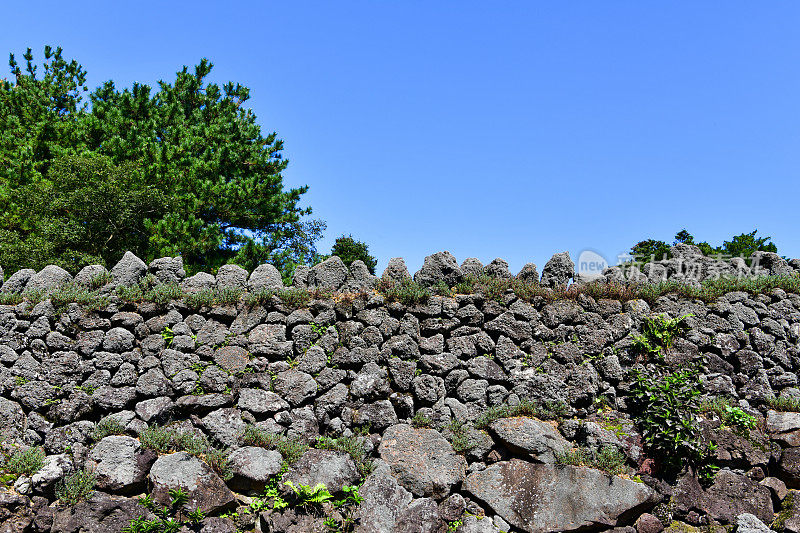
(422, 460)
(205, 488)
(231, 277)
(49, 278)
(537, 498)
(16, 282)
(530, 436)
(265, 276)
(252, 467)
(558, 271)
(441, 266)
(330, 274)
(332, 469)
(128, 271)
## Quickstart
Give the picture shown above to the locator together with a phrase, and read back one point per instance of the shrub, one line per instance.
(168, 519)
(163, 293)
(309, 497)
(548, 410)
(76, 487)
(421, 421)
(295, 297)
(290, 449)
(26, 462)
(349, 250)
(201, 298)
(217, 460)
(608, 459)
(729, 415)
(666, 406)
(784, 403)
(11, 298)
(658, 335)
(228, 296)
(354, 446)
(407, 292)
(260, 297)
(167, 439)
(459, 437)
(100, 280)
(74, 293)
(107, 426)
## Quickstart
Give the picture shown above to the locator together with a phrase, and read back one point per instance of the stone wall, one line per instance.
(409, 385)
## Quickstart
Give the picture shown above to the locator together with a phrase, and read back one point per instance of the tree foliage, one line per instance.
(185, 162)
(739, 246)
(348, 249)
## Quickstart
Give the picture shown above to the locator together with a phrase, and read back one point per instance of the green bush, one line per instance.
(168, 519)
(421, 421)
(260, 297)
(167, 439)
(290, 449)
(608, 459)
(294, 297)
(349, 250)
(784, 403)
(548, 410)
(459, 436)
(199, 299)
(74, 293)
(76, 487)
(729, 415)
(25, 462)
(658, 335)
(107, 426)
(407, 292)
(666, 405)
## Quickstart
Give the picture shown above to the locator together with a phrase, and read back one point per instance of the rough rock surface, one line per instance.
(264, 276)
(205, 488)
(252, 467)
(558, 271)
(128, 270)
(50, 277)
(526, 435)
(332, 469)
(538, 497)
(328, 275)
(396, 271)
(441, 266)
(422, 460)
(119, 465)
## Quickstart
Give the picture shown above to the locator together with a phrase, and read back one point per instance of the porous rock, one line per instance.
(423, 461)
(538, 497)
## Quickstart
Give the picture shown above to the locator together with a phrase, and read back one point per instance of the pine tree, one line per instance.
(195, 142)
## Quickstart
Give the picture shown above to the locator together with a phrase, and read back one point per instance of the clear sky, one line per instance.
(489, 129)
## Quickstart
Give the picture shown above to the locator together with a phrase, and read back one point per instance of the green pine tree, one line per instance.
(193, 143)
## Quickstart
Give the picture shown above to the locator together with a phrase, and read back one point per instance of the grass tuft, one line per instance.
(290, 449)
(76, 487)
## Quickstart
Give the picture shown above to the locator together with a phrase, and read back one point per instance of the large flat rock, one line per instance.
(206, 489)
(527, 435)
(422, 460)
(784, 427)
(540, 497)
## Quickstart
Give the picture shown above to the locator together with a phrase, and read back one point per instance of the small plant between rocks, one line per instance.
(609, 459)
(76, 487)
(169, 519)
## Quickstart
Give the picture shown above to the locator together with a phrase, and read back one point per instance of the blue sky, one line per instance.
(489, 129)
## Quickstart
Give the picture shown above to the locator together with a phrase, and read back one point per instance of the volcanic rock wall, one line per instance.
(429, 393)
